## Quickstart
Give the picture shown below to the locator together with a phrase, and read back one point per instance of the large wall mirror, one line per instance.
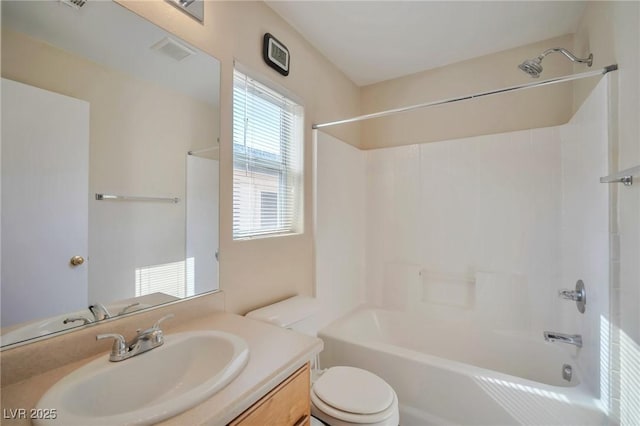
(110, 135)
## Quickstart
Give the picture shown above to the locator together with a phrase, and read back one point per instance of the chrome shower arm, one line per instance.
(571, 56)
(533, 67)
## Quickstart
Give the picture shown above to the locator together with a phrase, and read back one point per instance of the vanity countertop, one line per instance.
(274, 354)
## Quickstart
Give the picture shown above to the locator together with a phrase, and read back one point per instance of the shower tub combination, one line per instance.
(446, 373)
(449, 374)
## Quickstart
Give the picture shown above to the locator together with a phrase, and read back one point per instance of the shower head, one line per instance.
(533, 67)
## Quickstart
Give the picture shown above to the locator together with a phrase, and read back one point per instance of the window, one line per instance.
(267, 161)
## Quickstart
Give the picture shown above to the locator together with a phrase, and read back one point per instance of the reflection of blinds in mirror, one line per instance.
(267, 161)
(175, 279)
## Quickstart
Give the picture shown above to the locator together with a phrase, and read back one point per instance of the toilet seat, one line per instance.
(354, 395)
(351, 417)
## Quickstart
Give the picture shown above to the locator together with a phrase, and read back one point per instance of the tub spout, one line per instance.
(572, 339)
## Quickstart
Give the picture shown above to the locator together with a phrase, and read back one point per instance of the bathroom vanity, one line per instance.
(273, 385)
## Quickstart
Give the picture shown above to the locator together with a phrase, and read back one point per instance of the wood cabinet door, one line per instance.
(286, 405)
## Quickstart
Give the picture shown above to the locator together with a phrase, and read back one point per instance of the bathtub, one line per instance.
(450, 374)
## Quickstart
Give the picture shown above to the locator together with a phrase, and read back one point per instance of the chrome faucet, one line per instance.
(99, 311)
(145, 341)
(572, 339)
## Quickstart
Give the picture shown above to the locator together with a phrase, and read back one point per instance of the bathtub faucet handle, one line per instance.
(579, 295)
(571, 295)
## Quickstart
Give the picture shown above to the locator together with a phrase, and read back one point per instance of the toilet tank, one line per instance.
(297, 313)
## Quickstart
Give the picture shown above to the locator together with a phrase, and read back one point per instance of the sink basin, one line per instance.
(186, 370)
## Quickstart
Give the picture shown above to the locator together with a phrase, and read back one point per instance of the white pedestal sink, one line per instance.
(186, 370)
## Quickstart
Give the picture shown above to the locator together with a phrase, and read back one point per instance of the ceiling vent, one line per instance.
(173, 49)
(76, 4)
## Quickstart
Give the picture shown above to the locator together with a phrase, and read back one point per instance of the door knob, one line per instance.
(76, 260)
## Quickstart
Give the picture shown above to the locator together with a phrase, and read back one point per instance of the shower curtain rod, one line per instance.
(475, 95)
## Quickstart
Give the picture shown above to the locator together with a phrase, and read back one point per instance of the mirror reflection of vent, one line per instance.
(173, 49)
(76, 4)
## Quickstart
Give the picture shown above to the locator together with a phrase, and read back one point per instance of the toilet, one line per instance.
(340, 396)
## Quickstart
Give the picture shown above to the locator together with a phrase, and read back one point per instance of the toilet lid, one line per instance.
(353, 390)
(322, 411)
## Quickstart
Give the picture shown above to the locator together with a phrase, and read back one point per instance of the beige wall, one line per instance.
(261, 271)
(611, 30)
(139, 136)
(542, 107)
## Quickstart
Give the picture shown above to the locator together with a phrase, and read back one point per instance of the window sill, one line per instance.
(266, 236)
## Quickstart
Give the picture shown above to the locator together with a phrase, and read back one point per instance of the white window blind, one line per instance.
(267, 161)
(175, 279)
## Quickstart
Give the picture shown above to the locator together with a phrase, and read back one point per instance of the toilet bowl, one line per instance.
(340, 396)
(344, 396)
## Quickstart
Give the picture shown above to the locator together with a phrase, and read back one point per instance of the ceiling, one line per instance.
(373, 41)
(109, 34)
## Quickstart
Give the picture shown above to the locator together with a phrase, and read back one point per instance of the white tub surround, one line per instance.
(340, 227)
(480, 232)
(585, 243)
(447, 374)
(486, 231)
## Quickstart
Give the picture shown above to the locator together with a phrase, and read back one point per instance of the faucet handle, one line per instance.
(119, 344)
(578, 295)
(156, 326)
(570, 295)
(126, 308)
